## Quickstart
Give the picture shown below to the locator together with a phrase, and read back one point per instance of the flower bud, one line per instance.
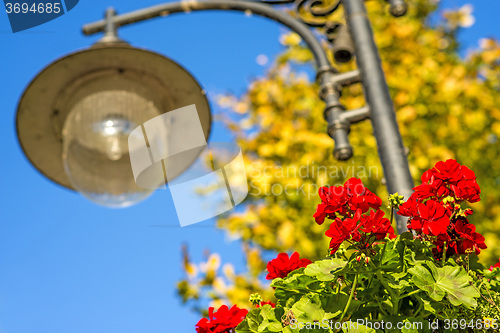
(448, 199)
(395, 200)
(255, 299)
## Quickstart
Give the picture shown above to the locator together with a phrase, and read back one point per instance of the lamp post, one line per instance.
(93, 97)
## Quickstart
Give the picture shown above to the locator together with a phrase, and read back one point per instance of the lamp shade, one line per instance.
(74, 118)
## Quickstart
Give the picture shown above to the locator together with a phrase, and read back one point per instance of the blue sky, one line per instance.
(67, 265)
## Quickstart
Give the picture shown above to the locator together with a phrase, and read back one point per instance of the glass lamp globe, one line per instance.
(74, 118)
(95, 146)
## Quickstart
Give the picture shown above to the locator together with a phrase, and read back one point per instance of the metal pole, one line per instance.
(383, 117)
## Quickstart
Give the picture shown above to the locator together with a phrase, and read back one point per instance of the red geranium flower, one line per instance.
(341, 230)
(471, 241)
(409, 208)
(360, 197)
(376, 224)
(345, 200)
(449, 171)
(434, 212)
(360, 229)
(333, 199)
(338, 234)
(467, 190)
(222, 321)
(433, 188)
(266, 302)
(431, 217)
(449, 178)
(282, 265)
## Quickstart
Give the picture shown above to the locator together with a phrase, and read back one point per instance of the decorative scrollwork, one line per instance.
(277, 2)
(314, 13)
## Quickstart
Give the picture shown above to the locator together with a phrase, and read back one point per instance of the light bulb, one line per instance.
(95, 146)
(114, 127)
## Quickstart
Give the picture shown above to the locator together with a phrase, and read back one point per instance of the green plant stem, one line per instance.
(379, 264)
(411, 293)
(392, 213)
(380, 307)
(394, 297)
(444, 254)
(420, 307)
(353, 289)
(493, 302)
(382, 254)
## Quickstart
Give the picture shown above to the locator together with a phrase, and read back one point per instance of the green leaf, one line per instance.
(449, 281)
(391, 258)
(295, 286)
(270, 322)
(308, 309)
(432, 307)
(251, 322)
(325, 270)
(396, 280)
(334, 304)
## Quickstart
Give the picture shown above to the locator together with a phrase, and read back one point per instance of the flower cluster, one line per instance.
(349, 208)
(225, 320)
(449, 179)
(221, 321)
(435, 213)
(282, 265)
(345, 200)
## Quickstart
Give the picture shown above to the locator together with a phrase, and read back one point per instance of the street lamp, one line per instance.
(74, 118)
(97, 96)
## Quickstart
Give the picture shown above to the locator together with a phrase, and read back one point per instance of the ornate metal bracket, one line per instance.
(315, 13)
